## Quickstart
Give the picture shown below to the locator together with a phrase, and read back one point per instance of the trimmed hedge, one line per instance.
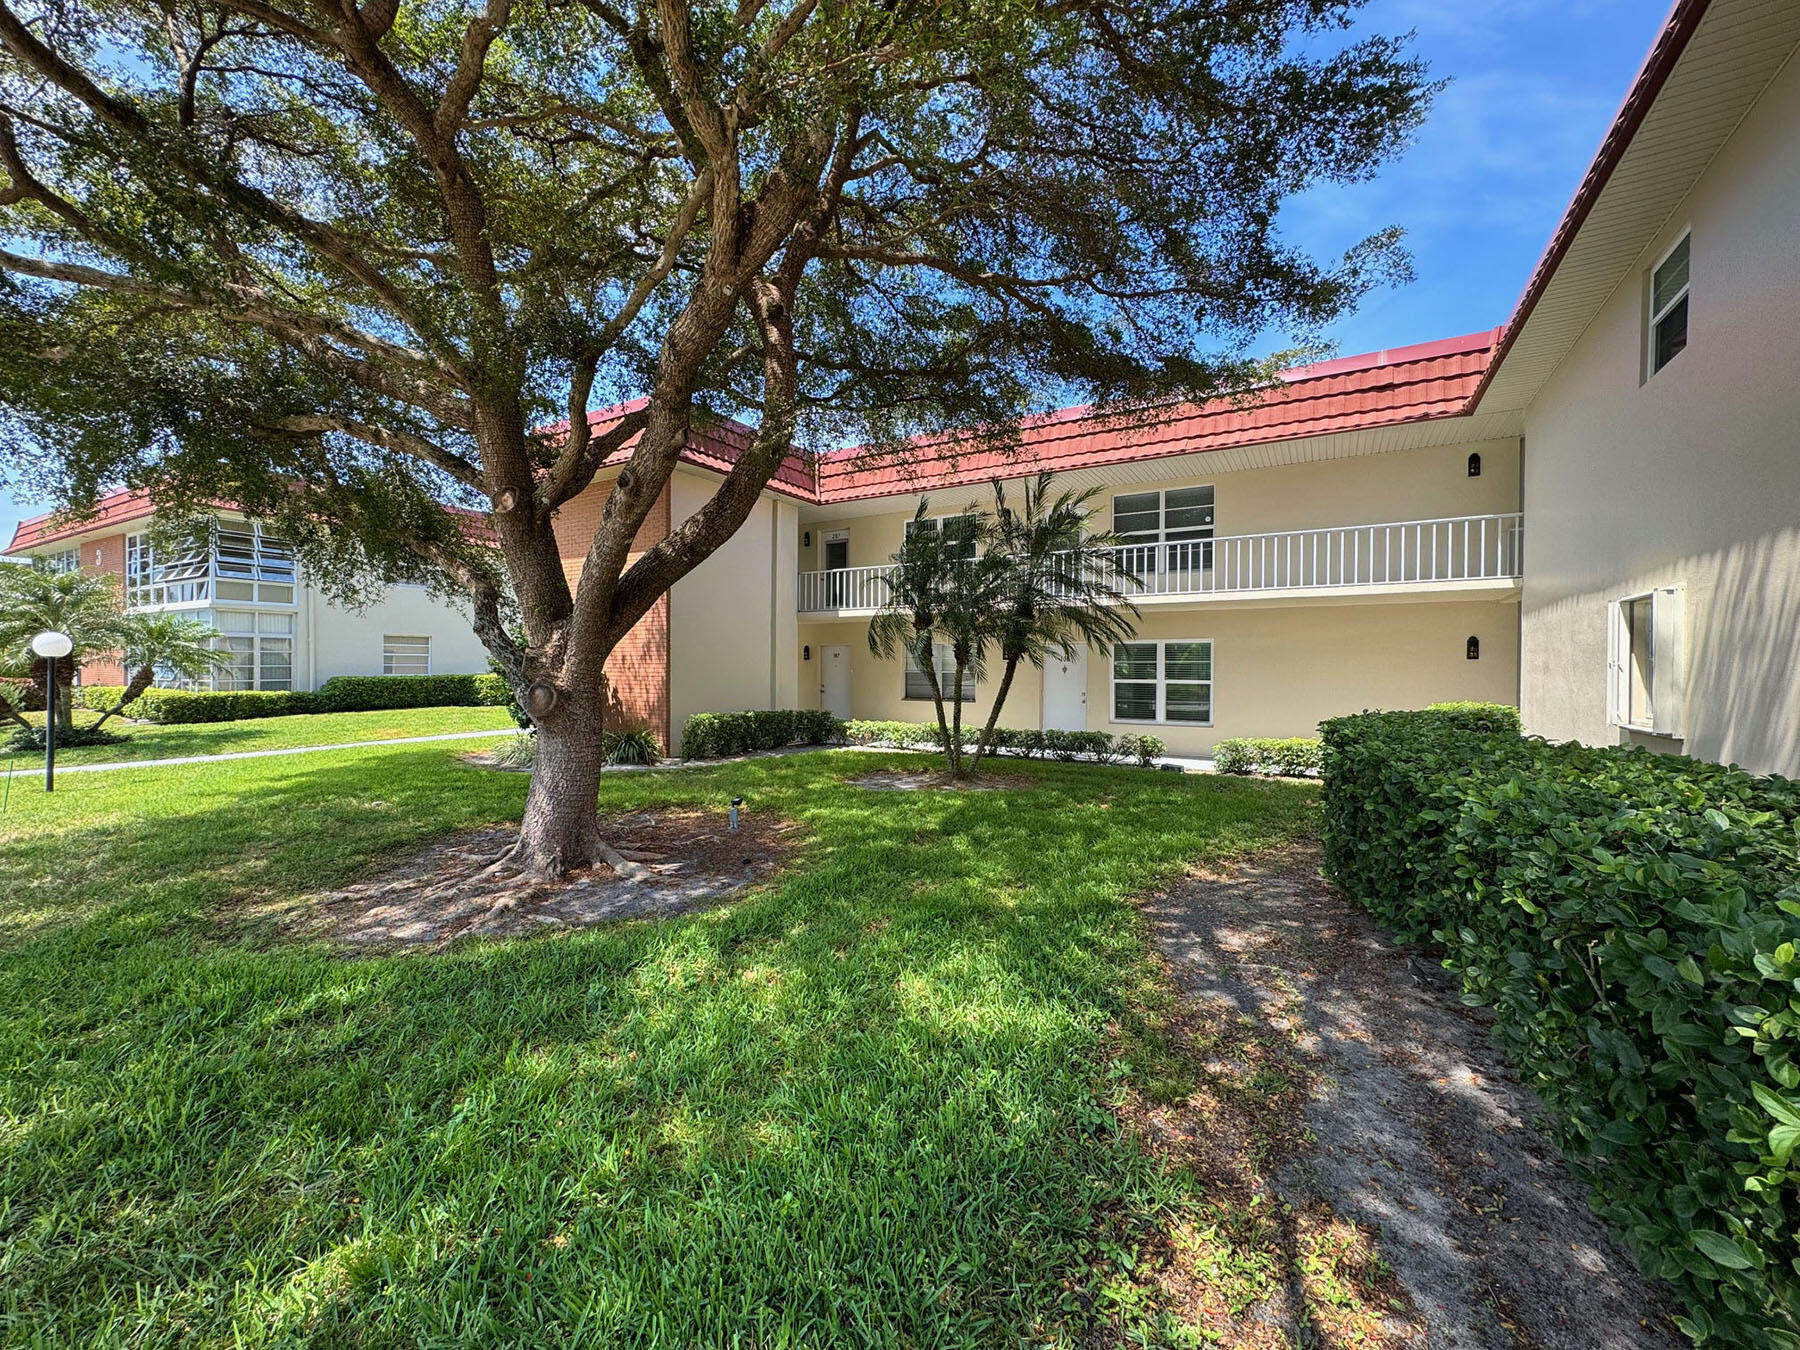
(1289, 757)
(372, 693)
(715, 735)
(1067, 746)
(341, 693)
(1634, 922)
(182, 706)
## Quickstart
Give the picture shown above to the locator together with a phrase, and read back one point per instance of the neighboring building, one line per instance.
(244, 582)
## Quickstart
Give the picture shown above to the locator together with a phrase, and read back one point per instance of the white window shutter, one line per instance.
(1669, 697)
(1615, 664)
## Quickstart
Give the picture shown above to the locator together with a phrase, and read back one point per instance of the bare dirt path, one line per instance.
(1421, 1132)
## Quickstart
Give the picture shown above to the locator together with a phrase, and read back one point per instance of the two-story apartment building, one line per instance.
(1593, 511)
(245, 583)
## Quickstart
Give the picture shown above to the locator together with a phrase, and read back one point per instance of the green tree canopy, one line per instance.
(341, 264)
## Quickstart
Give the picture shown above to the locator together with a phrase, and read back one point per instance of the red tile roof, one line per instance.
(1354, 393)
(714, 445)
(116, 509)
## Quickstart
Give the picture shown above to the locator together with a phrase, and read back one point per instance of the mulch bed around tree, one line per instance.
(684, 858)
(907, 780)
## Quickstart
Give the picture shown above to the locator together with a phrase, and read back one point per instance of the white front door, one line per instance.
(834, 681)
(1065, 692)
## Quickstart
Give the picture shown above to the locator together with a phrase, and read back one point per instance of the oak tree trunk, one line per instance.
(561, 829)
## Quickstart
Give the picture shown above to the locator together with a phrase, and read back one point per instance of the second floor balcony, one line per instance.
(1461, 553)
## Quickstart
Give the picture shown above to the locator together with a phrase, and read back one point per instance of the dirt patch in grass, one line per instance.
(681, 858)
(1373, 1173)
(908, 780)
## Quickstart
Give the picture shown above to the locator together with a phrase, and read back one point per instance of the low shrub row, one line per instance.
(1068, 746)
(715, 735)
(1289, 757)
(371, 693)
(183, 706)
(1633, 920)
(341, 693)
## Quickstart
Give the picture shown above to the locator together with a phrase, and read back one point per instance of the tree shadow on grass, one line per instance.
(858, 1105)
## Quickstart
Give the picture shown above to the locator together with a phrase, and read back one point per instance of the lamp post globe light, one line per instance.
(50, 646)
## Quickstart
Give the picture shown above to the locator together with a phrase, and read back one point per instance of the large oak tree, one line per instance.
(344, 264)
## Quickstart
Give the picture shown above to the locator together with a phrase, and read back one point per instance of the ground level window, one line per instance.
(261, 648)
(1163, 682)
(405, 655)
(917, 686)
(1644, 659)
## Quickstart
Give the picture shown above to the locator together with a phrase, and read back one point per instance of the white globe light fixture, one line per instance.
(51, 645)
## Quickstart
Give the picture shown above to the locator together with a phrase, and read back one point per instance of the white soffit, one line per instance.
(1736, 50)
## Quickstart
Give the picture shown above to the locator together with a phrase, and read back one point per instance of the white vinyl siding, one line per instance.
(1668, 307)
(1646, 685)
(1163, 682)
(405, 655)
(917, 686)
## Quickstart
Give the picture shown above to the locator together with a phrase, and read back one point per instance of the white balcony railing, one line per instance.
(1398, 554)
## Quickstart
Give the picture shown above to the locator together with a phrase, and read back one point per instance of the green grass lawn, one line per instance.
(863, 1105)
(146, 740)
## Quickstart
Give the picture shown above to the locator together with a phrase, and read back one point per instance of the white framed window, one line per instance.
(917, 686)
(261, 647)
(405, 655)
(1646, 677)
(961, 531)
(224, 561)
(1170, 529)
(1163, 682)
(1667, 333)
(63, 560)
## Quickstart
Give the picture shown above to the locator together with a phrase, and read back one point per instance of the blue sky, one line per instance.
(1534, 84)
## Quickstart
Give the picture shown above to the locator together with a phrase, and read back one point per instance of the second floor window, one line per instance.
(1668, 334)
(1171, 528)
(64, 560)
(228, 561)
(959, 531)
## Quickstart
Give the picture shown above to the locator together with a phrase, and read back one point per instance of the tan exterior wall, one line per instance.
(1278, 670)
(1362, 490)
(733, 639)
(1690, 478)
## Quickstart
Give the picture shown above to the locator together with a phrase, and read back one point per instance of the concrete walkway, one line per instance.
(498, 733)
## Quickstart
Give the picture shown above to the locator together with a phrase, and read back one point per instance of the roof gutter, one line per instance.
(1677, 29)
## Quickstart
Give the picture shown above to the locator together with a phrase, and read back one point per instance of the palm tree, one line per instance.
(943, 587)
(164, 642)
(85, 605)
(1063, 587)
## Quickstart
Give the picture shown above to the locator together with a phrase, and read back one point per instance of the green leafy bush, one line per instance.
(186, 706)
(370, 693)
(24, 741)
(1478, 716)
(1634, 921)
(632, 745)
(1288, 757)
(714, 735)
(1029, 743)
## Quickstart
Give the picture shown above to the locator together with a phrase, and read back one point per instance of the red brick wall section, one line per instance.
(106, 554)
(637, 674)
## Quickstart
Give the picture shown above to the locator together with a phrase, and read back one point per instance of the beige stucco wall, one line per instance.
(1277, 669)
(1362, 490)
(331, 641)
(1690, 479)
(733, 638)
